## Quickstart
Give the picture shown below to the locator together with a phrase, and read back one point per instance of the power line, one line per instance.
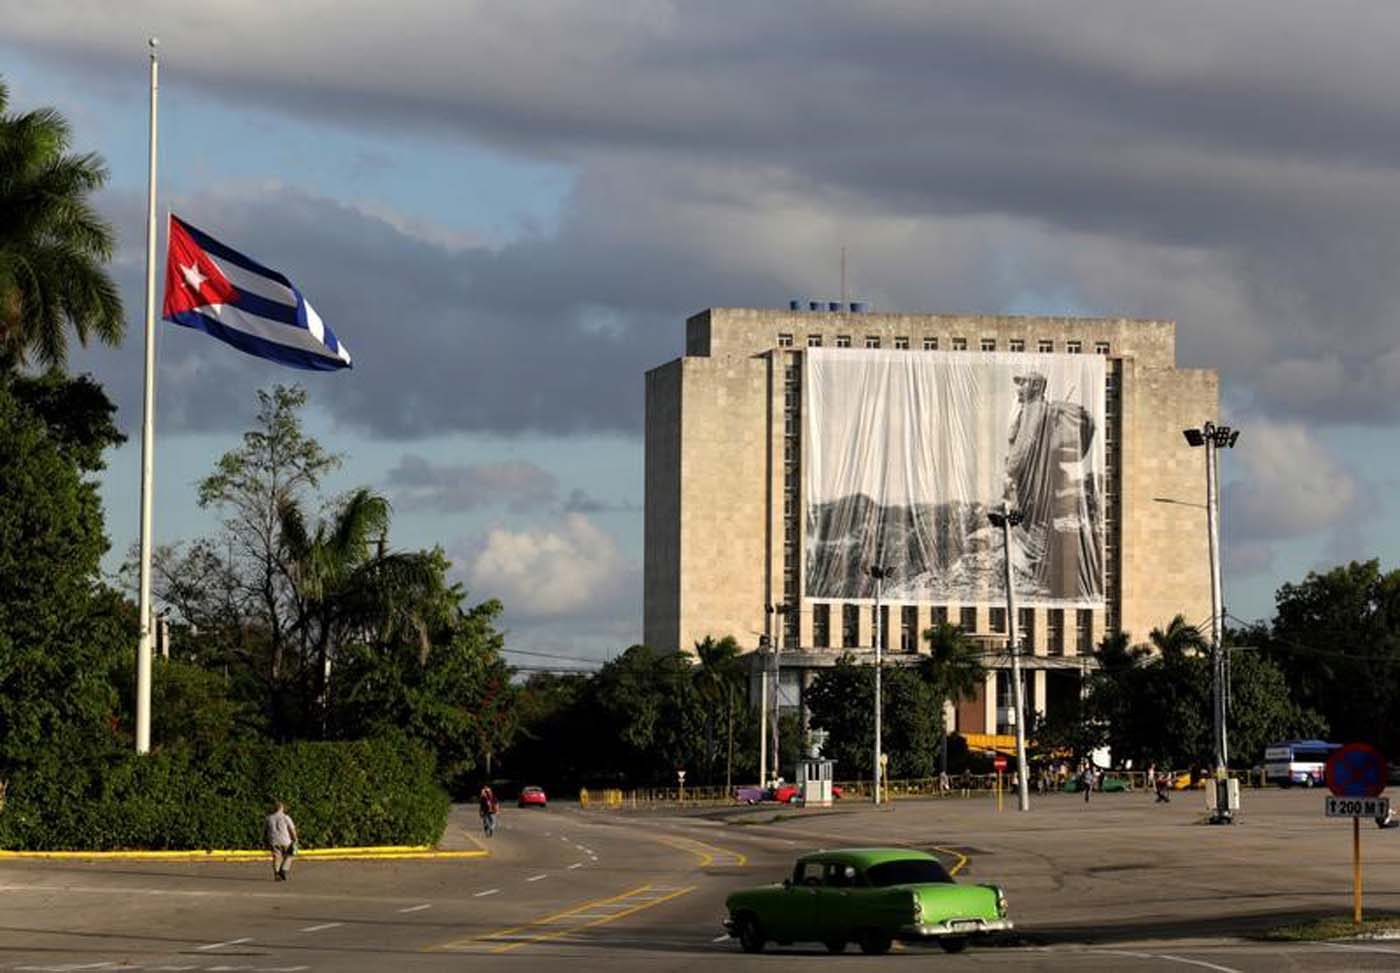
(553, 655)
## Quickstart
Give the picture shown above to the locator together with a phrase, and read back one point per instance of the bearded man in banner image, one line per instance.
(1049, 479)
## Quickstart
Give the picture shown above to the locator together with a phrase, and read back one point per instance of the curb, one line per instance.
(372, 853)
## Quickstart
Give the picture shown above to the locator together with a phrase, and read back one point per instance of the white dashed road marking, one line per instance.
(576, 865)
(720, 939)
(416, 908)
(324, 925)
(231, 942)
(487, 892)
(536, 878)
(1173, 959)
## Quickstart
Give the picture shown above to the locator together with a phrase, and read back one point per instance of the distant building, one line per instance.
(789, 450)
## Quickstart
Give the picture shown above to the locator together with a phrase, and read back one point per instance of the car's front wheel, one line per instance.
(835, 945)
(953, 944)
(875, 943)
(750, 934)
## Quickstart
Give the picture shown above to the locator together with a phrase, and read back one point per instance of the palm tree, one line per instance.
(53, 244)
(953, 669)
(1178, 640)
(720, 675)
(345, 584)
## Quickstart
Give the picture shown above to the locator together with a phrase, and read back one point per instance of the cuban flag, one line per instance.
(234, 298)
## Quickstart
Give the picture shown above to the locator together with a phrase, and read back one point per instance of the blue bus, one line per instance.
(1292, 762)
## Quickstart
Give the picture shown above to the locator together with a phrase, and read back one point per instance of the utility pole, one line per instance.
(1007, 518)
(879, 572)
(1213, 437)
(763, 712)
(781, 612)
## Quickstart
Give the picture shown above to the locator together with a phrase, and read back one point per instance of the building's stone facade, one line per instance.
(716, 555)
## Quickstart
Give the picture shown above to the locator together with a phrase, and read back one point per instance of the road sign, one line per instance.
(1356, 770)
(999, 762)
(1357, 807)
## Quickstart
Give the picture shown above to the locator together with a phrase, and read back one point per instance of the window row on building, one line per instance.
(901, 343)
(838, 626)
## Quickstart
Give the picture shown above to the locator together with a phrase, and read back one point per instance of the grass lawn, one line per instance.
(1338, 927)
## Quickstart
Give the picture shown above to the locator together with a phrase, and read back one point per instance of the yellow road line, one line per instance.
(556, 934)
(708, 855)
(240, 855)
(539, 922)
(962, 859)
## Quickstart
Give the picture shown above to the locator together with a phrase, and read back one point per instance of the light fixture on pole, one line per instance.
(1214, 437)
(1006, 518)
(880, 573)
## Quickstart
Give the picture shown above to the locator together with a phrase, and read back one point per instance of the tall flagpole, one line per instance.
(148, 441)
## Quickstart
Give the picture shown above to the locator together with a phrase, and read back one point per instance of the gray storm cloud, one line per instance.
(1228, 166)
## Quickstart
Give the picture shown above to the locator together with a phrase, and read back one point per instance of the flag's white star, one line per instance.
(192, 275)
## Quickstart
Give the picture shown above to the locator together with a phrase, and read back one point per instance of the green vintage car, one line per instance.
(869, 896)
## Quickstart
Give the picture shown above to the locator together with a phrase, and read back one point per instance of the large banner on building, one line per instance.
(905, 453)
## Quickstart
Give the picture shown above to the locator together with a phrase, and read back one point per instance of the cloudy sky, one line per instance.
(507, 209)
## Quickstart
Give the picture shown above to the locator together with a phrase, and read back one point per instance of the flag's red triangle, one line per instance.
(192, 280)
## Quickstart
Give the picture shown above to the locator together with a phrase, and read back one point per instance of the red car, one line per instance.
(533, 797)
(791, 794)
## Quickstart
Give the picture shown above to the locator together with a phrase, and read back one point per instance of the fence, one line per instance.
(956, 786)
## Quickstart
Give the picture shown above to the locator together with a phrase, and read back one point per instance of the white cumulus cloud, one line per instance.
(547, 570)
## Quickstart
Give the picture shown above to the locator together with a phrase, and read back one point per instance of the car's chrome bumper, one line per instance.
(954, 927)
(730, 926)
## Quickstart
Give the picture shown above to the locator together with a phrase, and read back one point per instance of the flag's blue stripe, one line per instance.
(296, 357)
(232, 256)
(272, 310)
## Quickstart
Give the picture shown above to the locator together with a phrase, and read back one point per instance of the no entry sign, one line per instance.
(999, 762)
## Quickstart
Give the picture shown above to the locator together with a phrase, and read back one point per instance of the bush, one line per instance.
(365, 792)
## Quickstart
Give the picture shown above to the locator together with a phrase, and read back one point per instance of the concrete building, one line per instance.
(726, 518)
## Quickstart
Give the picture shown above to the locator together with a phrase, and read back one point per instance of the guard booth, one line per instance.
(814, 781)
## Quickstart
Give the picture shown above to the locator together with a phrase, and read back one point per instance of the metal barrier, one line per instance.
(955, 786)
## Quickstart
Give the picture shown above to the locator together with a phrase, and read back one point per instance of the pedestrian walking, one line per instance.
(1086, 781)
(486, 801)
(1150, 781)
(280, 832)
(1163, 782)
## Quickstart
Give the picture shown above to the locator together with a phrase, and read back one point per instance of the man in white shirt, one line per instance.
(281, 834)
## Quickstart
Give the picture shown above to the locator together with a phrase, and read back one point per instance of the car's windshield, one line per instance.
(907, 871)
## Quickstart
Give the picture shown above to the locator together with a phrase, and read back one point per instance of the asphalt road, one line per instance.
(1119, 884)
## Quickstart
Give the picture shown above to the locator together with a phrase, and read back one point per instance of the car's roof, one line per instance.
(865, 857)
(532, 787)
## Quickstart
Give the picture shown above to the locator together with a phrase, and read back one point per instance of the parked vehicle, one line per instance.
(532, 797)
(869, 896)
(1297, 762)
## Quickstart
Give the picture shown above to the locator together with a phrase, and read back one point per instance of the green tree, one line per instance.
(1336, 636)
(61, 630)
(720, 678)
(839, 702)
(456, 699)
(239, 590)
(953, 671)
(53, 245)
(1156, 706)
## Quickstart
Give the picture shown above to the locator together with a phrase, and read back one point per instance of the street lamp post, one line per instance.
(880, 573)
(1007, 518)
(1214, 437)
(763, 712)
